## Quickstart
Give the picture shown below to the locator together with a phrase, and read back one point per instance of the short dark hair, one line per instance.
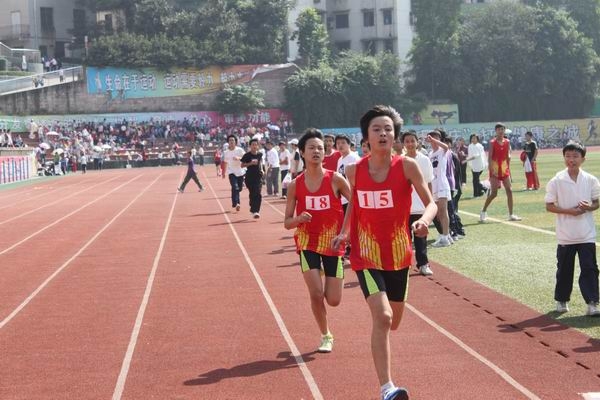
(499, 125)
(574, 146)
(252, 141)
(342, 136)
(309, 133)
(232, 136)
(529, 133)
(409, 133)
(473, 135)
(381, 111)
(329, 135)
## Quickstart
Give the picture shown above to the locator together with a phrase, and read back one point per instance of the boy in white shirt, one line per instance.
(573, 195)
(233, 170)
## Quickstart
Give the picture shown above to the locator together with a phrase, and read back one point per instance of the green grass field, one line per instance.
(512, 259)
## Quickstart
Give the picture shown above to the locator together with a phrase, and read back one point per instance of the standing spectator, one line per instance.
(252, 160)
(201, 155)
(61, 75)
(191, 174)
(530, 148)
(440, 186)
(297, 165)
(499, 169)
(379, 231)
(217, 160)
(476, 156)
(285, 158)
(573, 195)
(462, 151)
(233, 170)
(273, 175)
(63, 163)
(410, 142)
(83, 160)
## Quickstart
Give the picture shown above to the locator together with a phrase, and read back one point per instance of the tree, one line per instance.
(587, 15)
(514, 62)
(239, 99)
(312, 38)
(436, 25)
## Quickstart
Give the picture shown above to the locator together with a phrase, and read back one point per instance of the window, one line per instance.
(387, 16)
(368, 18)
(15, 20)
(341, 21)
(341, 46)
(108, 23)
(47, 18)
(388, 45)
(369, 47)
(79, 20)
(59, 50)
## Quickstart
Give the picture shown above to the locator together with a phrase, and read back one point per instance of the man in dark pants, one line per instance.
(191, 174)
(252, 160)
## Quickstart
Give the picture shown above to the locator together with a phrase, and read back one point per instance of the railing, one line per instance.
(41, 80)
(15, 56)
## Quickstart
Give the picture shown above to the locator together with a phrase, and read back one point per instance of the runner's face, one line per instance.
(231, 142)
(410, 143)
(328, 143)
(342, 146)
(381, 134)
(500, 132)
(365, 148)
(314, 151)
(254, 147)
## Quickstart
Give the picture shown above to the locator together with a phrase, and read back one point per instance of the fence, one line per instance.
(17, 168)
(40, 80)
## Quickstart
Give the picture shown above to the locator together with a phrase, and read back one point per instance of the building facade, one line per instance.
(46, 25)
(367, 26)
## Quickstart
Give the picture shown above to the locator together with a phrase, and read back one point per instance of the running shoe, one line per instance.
(482, 216)
(237, 208)
(326, 344)
(256, 215)
(592, 309)
(425, 270)
(562, 306)
(513, 217)
(398, 393)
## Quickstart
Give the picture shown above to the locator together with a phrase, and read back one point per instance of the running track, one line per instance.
(112, 285)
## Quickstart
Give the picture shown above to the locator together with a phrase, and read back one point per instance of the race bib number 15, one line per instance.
(375, 199)
(317, 203)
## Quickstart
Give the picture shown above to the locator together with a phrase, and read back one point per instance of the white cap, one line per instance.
(293, 141)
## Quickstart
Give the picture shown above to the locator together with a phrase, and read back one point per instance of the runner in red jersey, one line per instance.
(378, 221)
(314, 196)
(499, 162)
(331, 157)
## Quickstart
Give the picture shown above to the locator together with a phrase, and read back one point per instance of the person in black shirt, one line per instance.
(252, 161)
(191, 174)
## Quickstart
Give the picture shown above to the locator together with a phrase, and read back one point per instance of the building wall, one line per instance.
(73, 99)
(293, 16)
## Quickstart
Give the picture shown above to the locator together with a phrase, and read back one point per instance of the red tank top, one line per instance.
(330, 161)
(327, 217)
(379, 230)
(499, 161)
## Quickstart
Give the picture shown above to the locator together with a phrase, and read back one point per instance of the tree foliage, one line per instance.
(328, 97)
(239, 99)
(312, 38)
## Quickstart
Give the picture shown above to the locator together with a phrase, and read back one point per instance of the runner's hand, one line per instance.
(338, 241)
(419, 228)
(304, 217)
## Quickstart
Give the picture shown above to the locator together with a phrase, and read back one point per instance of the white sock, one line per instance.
(386, 388)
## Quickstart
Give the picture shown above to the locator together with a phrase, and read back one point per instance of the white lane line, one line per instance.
(503, 374)
(522, 226)
(591, 396)
(65, 217)
(59, 200)
(66, 264)
(135, 333)
(462, 345)
(310, 380)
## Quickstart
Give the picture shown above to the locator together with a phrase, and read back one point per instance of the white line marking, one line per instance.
(527, 227)
(466, 348)
(314, 388)
(476, 355)
(65, 217)
(120, 385)
(66, 264)
(591, 396)
(60, 200)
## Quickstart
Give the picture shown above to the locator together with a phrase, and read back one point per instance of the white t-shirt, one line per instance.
(343, 162)
(478, 163)
(439, 161)
(272, 158)
(283, 155)
(566, 193)
(417, 206)
(234, 166)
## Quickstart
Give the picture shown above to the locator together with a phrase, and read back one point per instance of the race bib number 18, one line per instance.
(375, 199)
(317, 203)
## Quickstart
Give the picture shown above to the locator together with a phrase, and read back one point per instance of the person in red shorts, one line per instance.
(499, 169)
(377, 221)
(314, 197)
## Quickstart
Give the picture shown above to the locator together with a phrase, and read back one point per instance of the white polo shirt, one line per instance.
(234, 166)
(566, 193)
(417, 207)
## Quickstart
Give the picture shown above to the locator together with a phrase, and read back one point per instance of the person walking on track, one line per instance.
(231, 168)
(378, 224)
(314, 197)
(191, 174)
